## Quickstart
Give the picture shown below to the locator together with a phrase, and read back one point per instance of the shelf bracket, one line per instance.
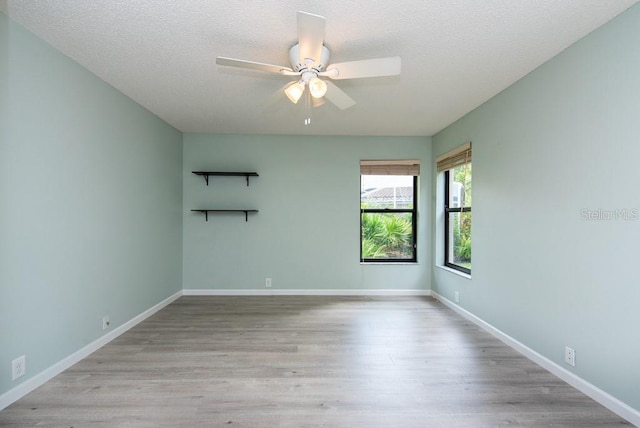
(206, 213)
(247, 181)
(206, 179)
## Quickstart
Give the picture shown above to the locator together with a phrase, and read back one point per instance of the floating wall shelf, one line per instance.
(206, 213)
(207, 174)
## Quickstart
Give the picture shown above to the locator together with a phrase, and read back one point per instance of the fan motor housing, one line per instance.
(312, 64)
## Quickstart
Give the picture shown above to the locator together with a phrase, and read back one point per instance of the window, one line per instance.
(388, 213)
(456, 166)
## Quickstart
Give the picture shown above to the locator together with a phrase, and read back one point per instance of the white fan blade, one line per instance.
(252, 65)
(338, 96)
(366, 68)
(310, 36)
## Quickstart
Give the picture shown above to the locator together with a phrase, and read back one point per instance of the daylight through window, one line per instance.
(388, 213)
(457, 170)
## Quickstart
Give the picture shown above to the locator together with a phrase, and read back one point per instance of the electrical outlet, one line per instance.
(18, 367)
(105, 322)
(570, 356)
(267, 282)
(456, 297)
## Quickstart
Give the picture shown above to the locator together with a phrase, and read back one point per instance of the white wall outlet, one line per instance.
(267, 282)
(570, 356)
(105, 322)
(18, 367)
(456, 296)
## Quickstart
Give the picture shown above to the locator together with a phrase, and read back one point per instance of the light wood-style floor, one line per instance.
(306, 362)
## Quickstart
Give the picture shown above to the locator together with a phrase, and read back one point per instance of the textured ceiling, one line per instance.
(456, 54)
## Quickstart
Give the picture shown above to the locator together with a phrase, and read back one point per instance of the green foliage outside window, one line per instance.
(462, 223)
(387, 236)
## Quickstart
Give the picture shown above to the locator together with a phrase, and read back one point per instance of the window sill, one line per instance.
(457, 272)
(389, 263)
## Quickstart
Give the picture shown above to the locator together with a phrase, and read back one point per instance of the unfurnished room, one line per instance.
(319, 214)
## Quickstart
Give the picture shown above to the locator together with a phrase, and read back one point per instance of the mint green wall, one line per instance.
(306, 235)
(90, 205)
(563, 139)
(92, 212)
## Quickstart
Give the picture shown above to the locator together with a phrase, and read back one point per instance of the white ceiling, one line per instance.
(456, 54)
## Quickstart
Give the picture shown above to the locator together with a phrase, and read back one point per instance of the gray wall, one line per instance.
(562, 140)
(307, 233)
(90, 205)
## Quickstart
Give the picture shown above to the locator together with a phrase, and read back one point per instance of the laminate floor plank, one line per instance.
(291, 361)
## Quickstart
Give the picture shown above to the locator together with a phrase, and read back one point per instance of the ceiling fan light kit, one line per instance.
(317, 87)
(310, 63)
(294, 91)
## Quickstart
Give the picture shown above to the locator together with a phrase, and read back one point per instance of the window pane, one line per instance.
(460, 186)
(387, 236)
(386, 191)
(459, 251)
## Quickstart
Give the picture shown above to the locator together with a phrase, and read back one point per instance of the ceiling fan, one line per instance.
(309, 65)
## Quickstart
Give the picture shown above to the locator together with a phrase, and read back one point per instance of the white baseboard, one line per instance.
(607, 400)
(39, 379)
(298, 292)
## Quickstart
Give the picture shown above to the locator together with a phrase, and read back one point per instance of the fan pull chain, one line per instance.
(307, 120)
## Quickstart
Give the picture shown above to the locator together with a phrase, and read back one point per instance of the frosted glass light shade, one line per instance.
(294, 91)
(317, 87)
